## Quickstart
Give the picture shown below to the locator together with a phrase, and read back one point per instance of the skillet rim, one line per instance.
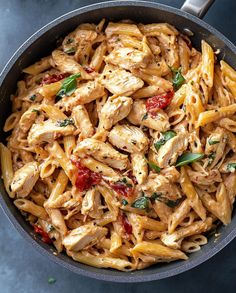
(122, 277)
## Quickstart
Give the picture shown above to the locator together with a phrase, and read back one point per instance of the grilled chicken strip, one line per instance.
(139, 116)
(102, 152)
(48, 131)
(84, 236)
(120, 81)
(24, 179)
(128, 138)
(114, 110)
(169, 152)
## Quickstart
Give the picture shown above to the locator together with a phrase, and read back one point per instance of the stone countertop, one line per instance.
(22, 268)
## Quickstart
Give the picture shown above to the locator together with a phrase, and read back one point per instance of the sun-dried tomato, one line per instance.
(89, 69)
(50, 78)
(125, 223)
(85, 178)
(159, 102)
(43, 234)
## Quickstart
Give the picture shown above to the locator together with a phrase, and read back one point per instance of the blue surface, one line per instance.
(22, 269)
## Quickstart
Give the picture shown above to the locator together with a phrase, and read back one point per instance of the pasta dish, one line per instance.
(121, 146)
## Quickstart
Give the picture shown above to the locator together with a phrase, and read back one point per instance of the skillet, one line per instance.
(44, 41)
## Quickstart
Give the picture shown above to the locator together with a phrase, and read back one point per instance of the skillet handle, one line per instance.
(197, 7)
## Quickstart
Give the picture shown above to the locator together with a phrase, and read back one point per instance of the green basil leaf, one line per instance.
(154, 167)
(141, 203)
(65, 122)
(124, 202)
(212, 142)
(231, 167)
(188, 158)
(211, 158)
(165, 137)
(177, 79)
(69, 85)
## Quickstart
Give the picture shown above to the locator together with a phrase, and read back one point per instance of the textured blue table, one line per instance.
(22, 269)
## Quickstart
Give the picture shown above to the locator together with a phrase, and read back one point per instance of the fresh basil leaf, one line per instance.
(177, 79)
(154, 167)
(165, 137)
(212, 142)
(231, 167)
(145, 116)
(124, 202)
(65, 122)
(188, 158)
(141, 203)
(69, 85)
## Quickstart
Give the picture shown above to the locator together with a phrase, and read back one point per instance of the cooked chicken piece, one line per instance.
(128, 58)
(48, 131)
(215, 146)
(85, 93)
(204, 178)
(114, 110)
(169, 152)
(230, 184)
(83, 237)
(79, 40)
(128, 138)
(24, 179)
(82, 121)
(120, 82)
(160, 184)
(28, 118)
(91, 204)
(139, 116)
(102, 152)
(171, 173)
(139, 167)
(66, 63)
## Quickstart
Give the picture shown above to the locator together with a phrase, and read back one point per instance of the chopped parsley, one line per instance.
(69, 85)
(36, 111)
(188, 158)
(165, 137)
(155, 196)
(145, 116)
(212, 142)
(33, 97)
(124, 202)
(177, 79)
(231, 167)
(211, 158)
(65, 122)
(69, 41)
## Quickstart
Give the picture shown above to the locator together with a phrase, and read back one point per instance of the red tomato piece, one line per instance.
(53, 78)
(85, 178)
(43, 234)
(122, 189)
(126, 225)
(159, 102)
